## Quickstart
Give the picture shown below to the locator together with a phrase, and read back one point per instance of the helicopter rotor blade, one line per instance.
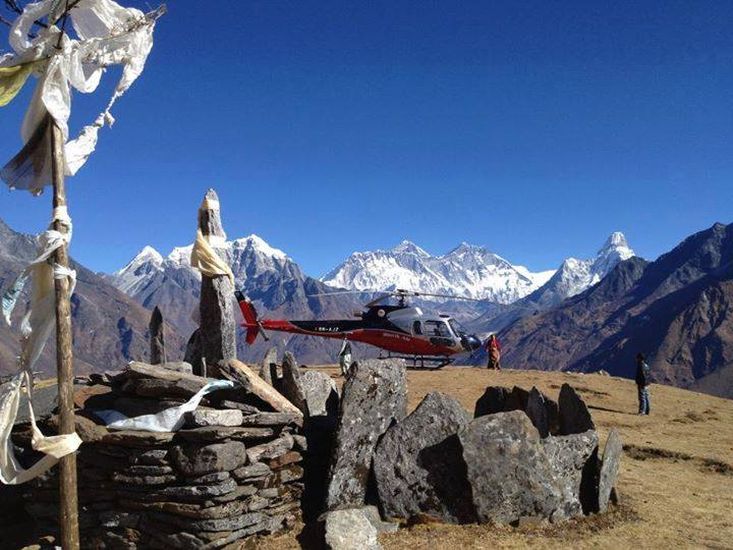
(404, 292)
(400, 292)
(339, 292)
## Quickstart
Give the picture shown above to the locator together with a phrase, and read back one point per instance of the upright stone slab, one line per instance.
(509, 473)
(418, 465)
(542, 411)
(292, 385)
(373, 398)
(574, 415)
(516, 400)
(268, 361)
(492, 401)
(157, 339)
(321, 393)
(218, 325)
(323, 404)
(573, 459)
(609, 468)
(193, 353)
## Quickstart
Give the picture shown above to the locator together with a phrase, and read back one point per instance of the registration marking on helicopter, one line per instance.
(398, 336)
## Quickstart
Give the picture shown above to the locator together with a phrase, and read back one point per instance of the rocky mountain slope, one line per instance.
(678, 310)
(273, 281)
(109, 328)
(467, 270)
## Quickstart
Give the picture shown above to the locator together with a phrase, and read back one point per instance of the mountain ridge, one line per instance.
(467, 270)
(678, 310)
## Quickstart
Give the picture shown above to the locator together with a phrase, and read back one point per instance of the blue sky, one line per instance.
(533, 128)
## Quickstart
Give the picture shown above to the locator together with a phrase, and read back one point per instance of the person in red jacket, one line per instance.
(493, 351)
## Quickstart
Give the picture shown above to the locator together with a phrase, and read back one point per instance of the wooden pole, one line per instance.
(68, 499)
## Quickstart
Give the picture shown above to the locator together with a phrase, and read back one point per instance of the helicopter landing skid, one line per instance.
(420, 362)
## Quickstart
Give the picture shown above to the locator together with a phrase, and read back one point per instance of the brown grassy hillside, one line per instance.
(675, 483)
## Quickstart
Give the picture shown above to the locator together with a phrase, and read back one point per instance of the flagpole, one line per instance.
(68, 499)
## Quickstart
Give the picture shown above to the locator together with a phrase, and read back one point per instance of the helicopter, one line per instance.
(400, 329)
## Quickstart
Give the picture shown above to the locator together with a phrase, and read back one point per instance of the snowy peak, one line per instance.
(616, 249)
(258, 245)
(575, 276)
(144, 265)
(249, 257)
(146, 255)
(467, 270)
(616, 240)
(408, 247)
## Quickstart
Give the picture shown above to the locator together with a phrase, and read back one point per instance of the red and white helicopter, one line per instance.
(398, 329)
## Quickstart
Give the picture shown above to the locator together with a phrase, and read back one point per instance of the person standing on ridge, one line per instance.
(642, 382)
(493, 351)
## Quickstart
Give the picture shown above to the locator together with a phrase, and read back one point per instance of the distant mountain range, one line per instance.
(587, 315)
(267, 275)
(468, 270)
(678, 310)
(573, 277)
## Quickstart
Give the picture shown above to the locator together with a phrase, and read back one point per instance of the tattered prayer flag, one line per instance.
(12, 80)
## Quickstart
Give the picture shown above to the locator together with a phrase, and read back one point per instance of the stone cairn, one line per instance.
(233, 471)
(523, 458)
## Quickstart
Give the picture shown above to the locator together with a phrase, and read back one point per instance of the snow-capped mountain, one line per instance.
(267, 275)
(573, 277)
(467, 270)
(248, 256)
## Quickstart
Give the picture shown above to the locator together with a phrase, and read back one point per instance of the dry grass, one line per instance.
(675, 484)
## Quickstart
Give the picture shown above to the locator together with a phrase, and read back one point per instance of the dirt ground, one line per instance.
(675, 483)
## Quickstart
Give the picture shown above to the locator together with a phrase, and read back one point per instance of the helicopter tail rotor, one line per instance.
(251, 323)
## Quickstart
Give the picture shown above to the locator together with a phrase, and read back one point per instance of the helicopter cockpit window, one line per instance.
(416, 328)
(457, 328)
(437, 328)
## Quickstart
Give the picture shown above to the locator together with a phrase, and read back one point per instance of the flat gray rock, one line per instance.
(218, 457)
(258, 469)
(272, 419)
(507, 468)
(211, 434)
(350, 529)
(372, 514)
(292, 386)
(321, 393)
(573, 459)
(178, 366)
(609, 468)
(373, 398)
(419, 467)
(200, 418)
(574, 415)
(271, 449)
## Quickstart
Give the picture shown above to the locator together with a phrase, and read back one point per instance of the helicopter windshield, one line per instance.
(456, 327)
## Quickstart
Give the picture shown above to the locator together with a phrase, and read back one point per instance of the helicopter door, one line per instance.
(417, 328)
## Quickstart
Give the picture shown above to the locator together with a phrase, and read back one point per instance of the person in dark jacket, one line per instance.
(642, 383)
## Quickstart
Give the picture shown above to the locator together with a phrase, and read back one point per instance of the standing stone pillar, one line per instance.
(157, 340)
(218, 327)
